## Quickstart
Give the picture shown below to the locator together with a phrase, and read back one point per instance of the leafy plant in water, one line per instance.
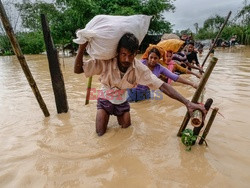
(188, 138)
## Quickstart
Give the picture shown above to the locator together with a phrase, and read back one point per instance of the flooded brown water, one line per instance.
(64, 150)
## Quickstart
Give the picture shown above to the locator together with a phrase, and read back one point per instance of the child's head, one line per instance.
(190, 47)
(169, 55)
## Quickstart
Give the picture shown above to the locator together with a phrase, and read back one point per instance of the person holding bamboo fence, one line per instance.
(119, 74)
(175, 67)
(151, 59)
(192, 58)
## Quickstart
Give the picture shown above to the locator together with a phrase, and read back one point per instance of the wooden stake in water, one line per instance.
(196, 130)
(88, 90)
(209, 124)
(198, 92)
(16, 48)
(55, 71)
(196, 118)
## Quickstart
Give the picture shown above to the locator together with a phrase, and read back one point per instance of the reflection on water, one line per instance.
(64, 151)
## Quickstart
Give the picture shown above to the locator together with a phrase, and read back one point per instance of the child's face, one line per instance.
(169, 56)
(190, 48)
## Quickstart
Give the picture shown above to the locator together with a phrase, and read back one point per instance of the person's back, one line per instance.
(179, 56)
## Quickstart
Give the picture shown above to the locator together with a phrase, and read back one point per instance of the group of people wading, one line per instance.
(125, 78)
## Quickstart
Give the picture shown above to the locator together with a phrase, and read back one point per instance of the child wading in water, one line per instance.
(175, 67)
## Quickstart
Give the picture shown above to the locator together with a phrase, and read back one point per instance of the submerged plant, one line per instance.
(188, 138)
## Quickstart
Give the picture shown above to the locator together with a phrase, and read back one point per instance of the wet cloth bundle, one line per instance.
(103, 33)
(171, 44)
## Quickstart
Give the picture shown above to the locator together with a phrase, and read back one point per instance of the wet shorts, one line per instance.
(113, 109)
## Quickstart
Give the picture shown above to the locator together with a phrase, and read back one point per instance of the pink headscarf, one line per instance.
(171, 68)
(170, 64)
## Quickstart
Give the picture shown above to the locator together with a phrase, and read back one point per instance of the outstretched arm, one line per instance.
(194, 67)
(78, 61)
(176, 78)
(186, 71)
(193, 73)
(187, 82)
(171, 92)
(149, 79)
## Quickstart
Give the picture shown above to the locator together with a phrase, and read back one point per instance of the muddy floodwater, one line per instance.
(63, 150)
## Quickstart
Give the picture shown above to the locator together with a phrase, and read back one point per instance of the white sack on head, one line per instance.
(103, 33)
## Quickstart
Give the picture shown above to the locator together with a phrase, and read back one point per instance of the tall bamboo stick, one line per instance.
(16, 48)
(209, 124)
(198, 92)
(88, 90)
(216, 38)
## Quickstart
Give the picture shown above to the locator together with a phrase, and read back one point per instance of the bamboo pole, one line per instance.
(88, 90)
(196, 118)
(55, 71)
(16, 48)
(196, 130)
(216, 38)
(207, 106)
(209, 124)
(198, 92)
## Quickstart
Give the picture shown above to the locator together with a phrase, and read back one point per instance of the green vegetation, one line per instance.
(66, 16)
(188, 138)
(5, 46)
(31, 43)
(239, 26)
